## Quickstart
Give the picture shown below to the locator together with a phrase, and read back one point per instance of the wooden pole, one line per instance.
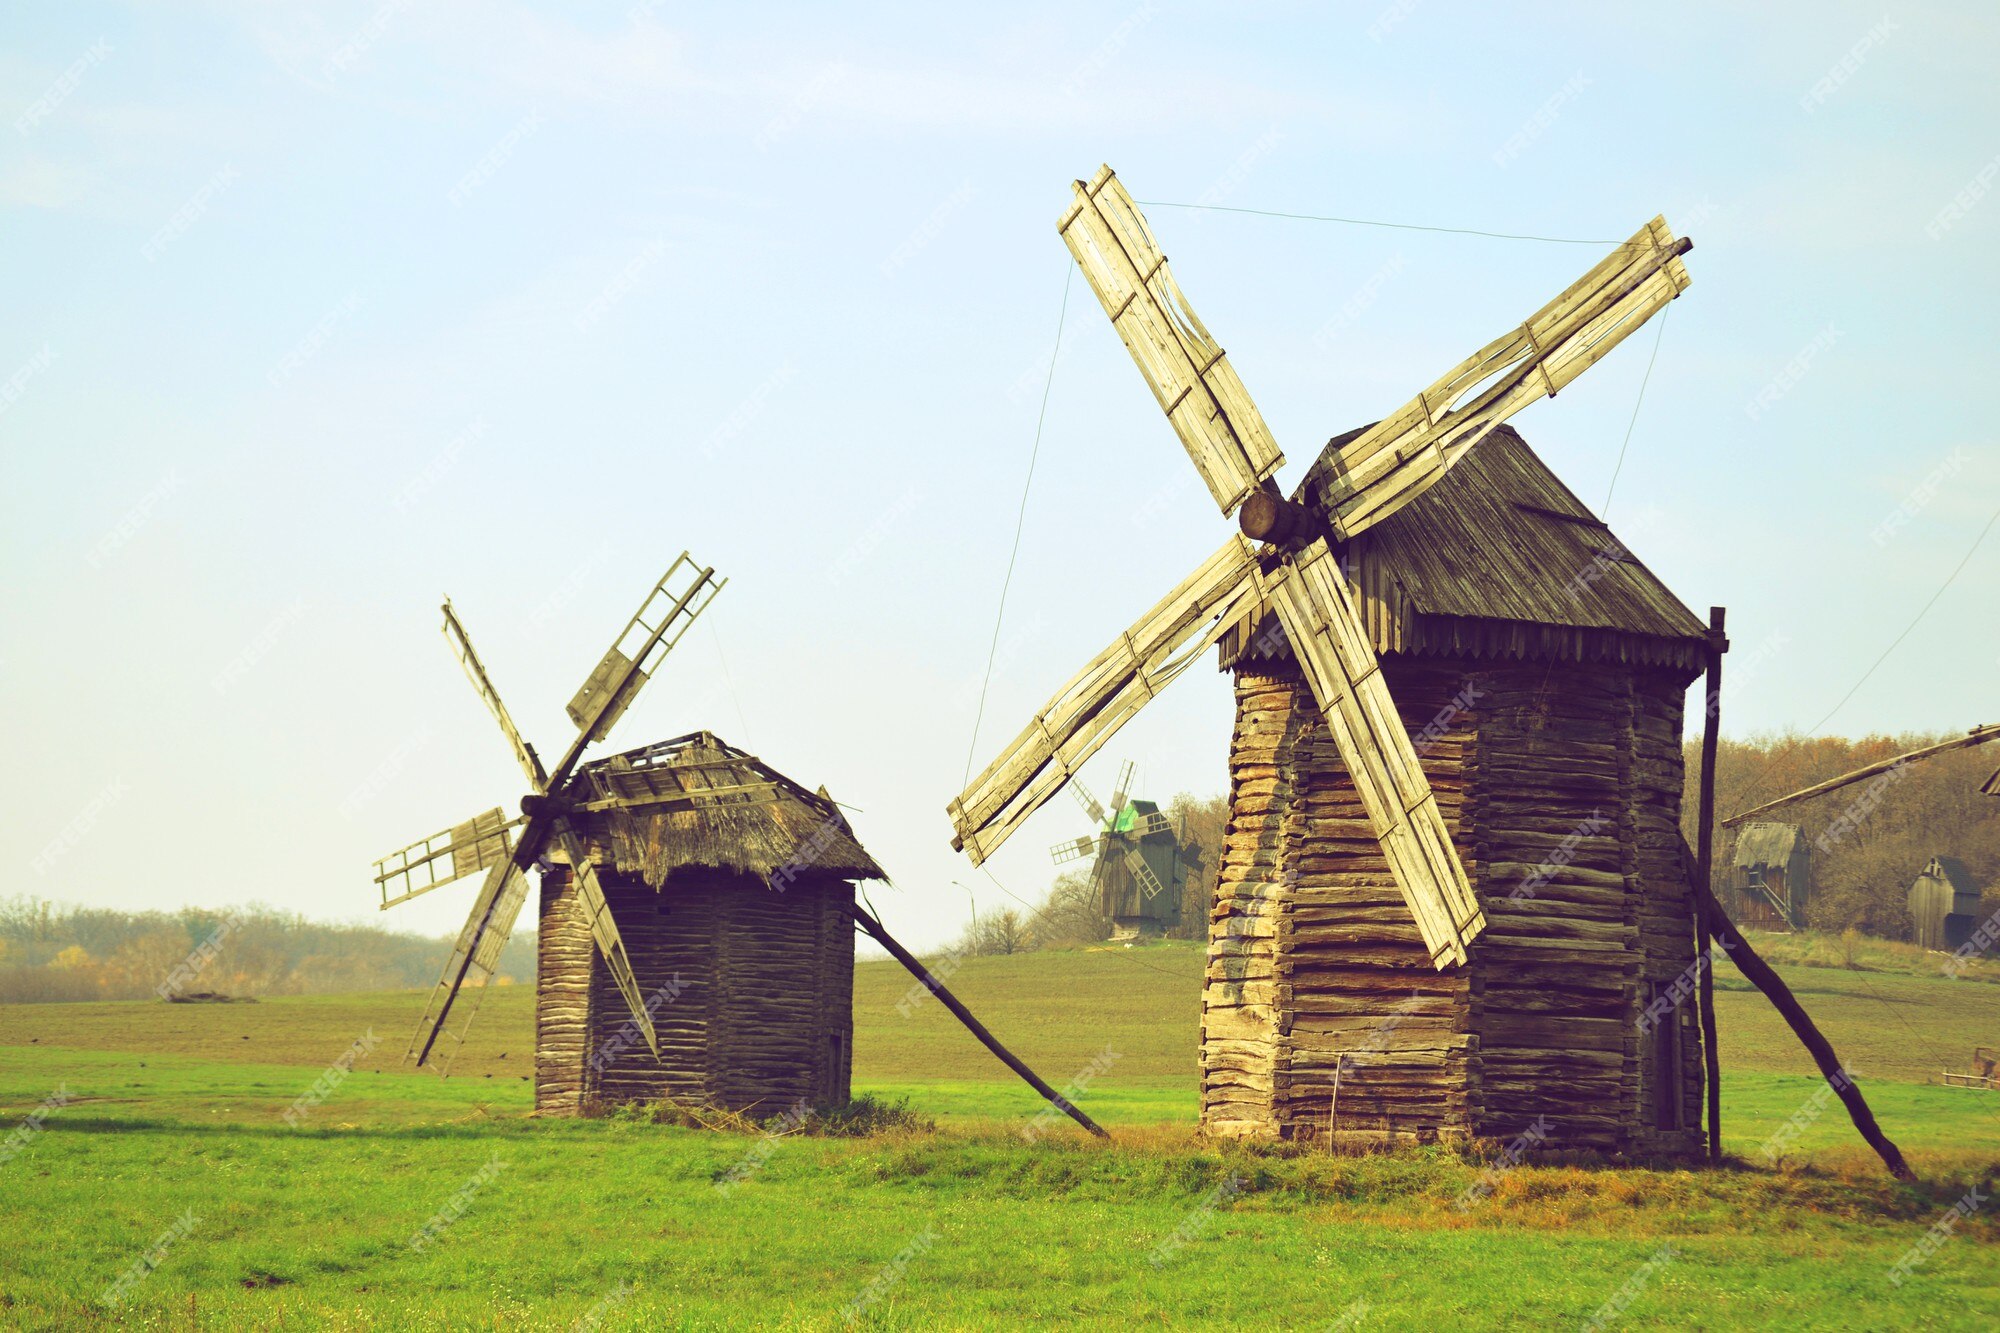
(1765, 979)
(1711, 728)
(973, 1025)
(1976, 736)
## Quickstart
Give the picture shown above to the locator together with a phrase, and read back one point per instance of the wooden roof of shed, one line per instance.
(1765, 844)
(719, 808)
(1499, 559)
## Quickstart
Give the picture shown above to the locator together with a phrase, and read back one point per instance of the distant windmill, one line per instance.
(1138, 872)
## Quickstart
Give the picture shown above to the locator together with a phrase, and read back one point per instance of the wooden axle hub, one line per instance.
(1268, 517)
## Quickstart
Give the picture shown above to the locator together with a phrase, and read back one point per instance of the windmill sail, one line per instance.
(476, 955)
(446, 857)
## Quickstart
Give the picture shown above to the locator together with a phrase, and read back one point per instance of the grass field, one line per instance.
(174, 1149)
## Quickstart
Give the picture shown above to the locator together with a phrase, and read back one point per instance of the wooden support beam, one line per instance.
(1976, 736)
(973, 1025)
(1711, 728)
(1780, 995)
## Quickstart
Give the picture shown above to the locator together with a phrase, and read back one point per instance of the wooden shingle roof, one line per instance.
(1499, 559)
(719, 808)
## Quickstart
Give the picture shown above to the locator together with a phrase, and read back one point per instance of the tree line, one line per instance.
(54, 952)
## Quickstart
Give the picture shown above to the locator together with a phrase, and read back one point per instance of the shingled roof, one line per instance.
(1499, 559)
(740, 815)
(1765, 844)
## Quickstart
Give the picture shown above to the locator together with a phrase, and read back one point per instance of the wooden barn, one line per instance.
(1770, 877)
(1540, 670)
(1944, 904)
(738, 918)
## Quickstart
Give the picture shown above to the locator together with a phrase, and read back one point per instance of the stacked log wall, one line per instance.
(751, 994)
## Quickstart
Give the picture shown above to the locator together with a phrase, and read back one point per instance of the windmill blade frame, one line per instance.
(1410, 450)
(1188, 371)
(604, 930)
(1319, 616)
(635, 654)
(479, 944)
(472, 846)
(1122, 793)
(475, 671)
(1093, 704)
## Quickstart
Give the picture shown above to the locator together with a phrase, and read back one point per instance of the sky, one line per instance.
(315, 314)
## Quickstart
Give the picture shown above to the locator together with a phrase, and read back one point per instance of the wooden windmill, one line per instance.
(490, 841)
(1137, 872)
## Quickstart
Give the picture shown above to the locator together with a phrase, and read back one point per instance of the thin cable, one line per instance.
(729, 684)
(1020, 520)
(1659, 335)
(1372, 222)
(1921, 613)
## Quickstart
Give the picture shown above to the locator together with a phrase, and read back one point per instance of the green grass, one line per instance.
(179, 1108)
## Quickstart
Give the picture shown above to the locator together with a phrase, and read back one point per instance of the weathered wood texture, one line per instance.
(751, 993)
(1561, 787)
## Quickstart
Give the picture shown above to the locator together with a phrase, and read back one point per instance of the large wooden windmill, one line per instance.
(491, 842)
(1137, 871)
(1304, 950)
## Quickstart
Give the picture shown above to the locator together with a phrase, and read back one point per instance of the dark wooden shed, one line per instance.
(1541, 671)
(738, 918)
(1944, 904)
(1770, 877)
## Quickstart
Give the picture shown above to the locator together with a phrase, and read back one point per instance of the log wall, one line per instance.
(1561, 786)
(751, 993)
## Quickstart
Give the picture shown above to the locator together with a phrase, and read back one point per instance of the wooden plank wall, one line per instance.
(1561, 786)
(762, 985)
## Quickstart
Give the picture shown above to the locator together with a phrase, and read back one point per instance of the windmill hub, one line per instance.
(1269, 517)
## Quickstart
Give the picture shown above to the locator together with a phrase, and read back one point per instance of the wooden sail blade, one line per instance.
(1145, 826)
(446, 857)
(681, 594)
(1976, 736)
(590, 896)
(476, 955)
(1142, 874)
(1317, 611)
(475, 671)
(1122, 793)
(1073, 850)
(1406, 452)
(1189, 374)
(1101, 698)
(1092, 807)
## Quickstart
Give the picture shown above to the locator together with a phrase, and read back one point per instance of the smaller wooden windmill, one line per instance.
(1138, 873)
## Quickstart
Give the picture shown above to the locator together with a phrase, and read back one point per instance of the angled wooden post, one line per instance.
(973, 1025)
(1711, 729)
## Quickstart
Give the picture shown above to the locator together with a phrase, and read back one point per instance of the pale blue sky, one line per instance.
(312, 319)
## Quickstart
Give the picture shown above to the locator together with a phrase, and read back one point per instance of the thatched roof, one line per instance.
(1765, 844)
(1499, 559)
(724, 809)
